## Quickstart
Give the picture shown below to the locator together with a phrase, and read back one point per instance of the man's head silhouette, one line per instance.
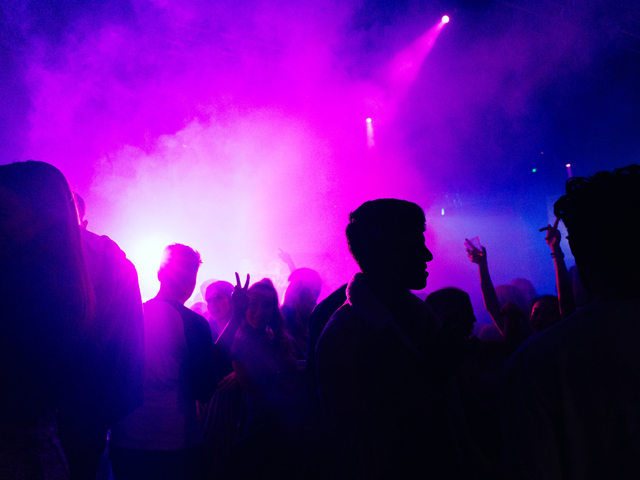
(178, 272)
(386, 238)
(602, 216)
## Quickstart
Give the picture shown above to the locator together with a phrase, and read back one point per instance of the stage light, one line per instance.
(568, 165)
(368, 120)
(445, 19)
(442, 211)
(534, 170)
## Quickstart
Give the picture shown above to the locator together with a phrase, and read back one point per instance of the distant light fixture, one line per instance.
(445, 19)
(534, 170)
(568, 165)
(442, 211)
(368, 120)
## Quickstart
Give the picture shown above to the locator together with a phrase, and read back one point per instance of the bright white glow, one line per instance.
(146, 254)
(443, 211)
(568, 165)
(370, 140)
(445, 19)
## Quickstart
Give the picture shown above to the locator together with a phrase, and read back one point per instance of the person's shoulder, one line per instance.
(542, 350)
(343, 320)
(345, 331)
(102, 249)
(156, 308)
(187, 313)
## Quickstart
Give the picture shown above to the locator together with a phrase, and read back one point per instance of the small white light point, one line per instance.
(442, 211)
(368, 120)
(445, 19)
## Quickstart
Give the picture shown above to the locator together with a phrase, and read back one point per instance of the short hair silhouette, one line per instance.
(179, 262)
(299, 280)
(377, 224)
(601, 215)
(446, 298)
(219, 286)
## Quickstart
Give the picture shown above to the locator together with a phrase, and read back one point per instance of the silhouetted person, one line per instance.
(571, 394)
(46, 312)
(162, 438)
(111, 382)
(378, 378)
(264, 366)
(315, 425)
(221, 415)
(300, 299)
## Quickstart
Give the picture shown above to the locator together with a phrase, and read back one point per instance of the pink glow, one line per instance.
(236, 128)
(445, 19)
(406, 65)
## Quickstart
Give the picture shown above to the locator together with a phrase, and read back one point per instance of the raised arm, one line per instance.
(240, 300)
(563, 279)
(489, 295)
(286, 258)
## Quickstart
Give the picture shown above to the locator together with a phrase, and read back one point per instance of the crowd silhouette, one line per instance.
(371, 383)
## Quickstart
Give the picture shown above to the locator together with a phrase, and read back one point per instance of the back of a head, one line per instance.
(44, 191)
(179, 266)
(511, 294)
(376, 224)
(526, 287)
(601, 215)
(302, 279)
(446, 299)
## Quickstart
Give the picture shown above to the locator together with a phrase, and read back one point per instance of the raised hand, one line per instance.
(475, 255)
(240, 296)
(286, 258)
(553, 235)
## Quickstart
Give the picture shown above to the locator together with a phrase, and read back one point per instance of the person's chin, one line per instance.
(419, 283)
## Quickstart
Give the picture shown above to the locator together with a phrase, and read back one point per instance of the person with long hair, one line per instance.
(265, 368)
(46, 307)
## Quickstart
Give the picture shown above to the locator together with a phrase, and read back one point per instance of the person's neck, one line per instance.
(167, 294)
(384, 290)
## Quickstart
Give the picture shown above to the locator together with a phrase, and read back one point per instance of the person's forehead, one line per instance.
(216, 295)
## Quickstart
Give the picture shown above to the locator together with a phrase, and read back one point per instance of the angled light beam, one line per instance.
(405, 66)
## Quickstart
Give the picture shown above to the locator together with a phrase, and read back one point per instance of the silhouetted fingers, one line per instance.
(548, 227)
(238, 284)
(555, 225)
(246, 284)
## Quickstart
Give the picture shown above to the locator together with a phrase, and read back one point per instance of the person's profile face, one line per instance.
(412, 256)
(218, 305)
(464, 318)
(261, 309)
